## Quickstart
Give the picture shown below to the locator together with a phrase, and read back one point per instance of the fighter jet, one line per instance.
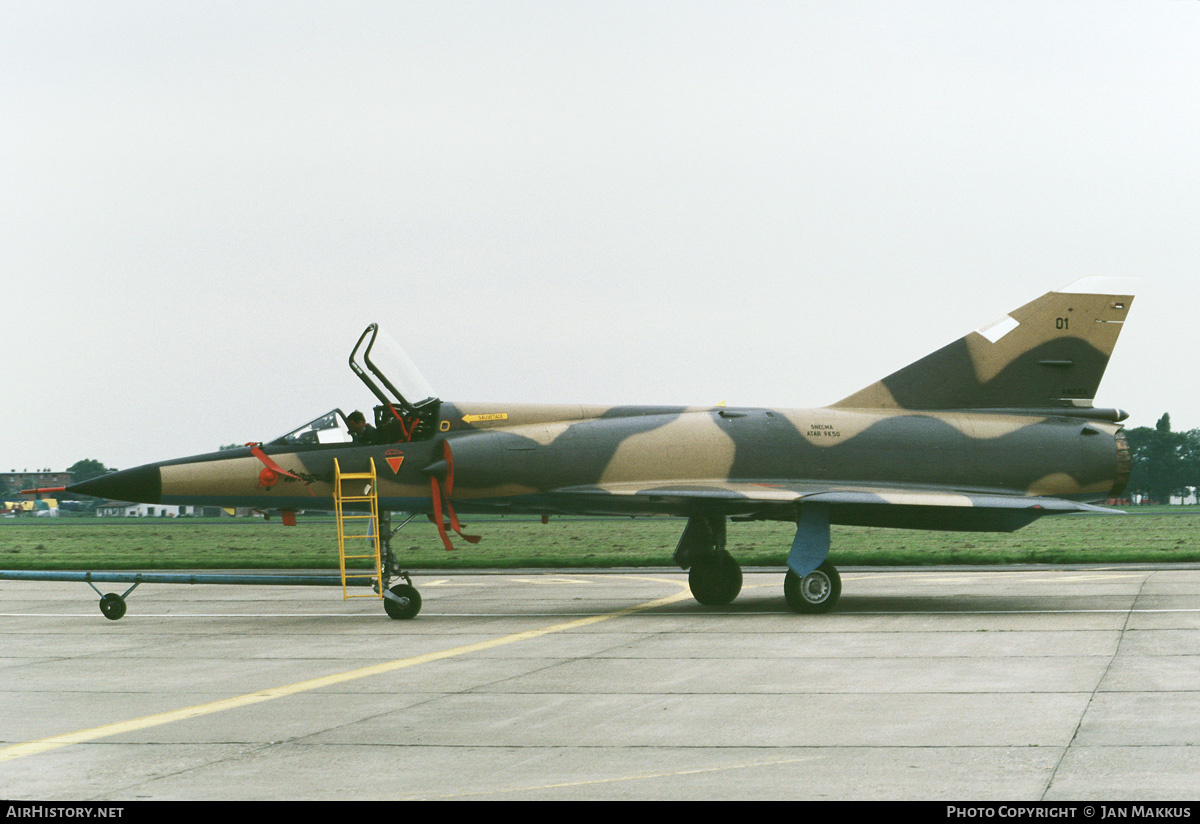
(989, 433)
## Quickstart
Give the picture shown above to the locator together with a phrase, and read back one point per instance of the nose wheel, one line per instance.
(402, 602)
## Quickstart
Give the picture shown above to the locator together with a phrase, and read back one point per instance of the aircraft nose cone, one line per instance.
(142, 484)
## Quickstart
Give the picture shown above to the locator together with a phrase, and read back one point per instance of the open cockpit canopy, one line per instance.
(408, 408)
(407, 411)
(390, 365)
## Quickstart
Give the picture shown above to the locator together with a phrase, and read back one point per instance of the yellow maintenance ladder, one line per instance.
(363, 489)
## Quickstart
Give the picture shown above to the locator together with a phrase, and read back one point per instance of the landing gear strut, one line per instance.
(402, 601)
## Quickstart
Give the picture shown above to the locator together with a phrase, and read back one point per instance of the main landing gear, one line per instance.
(713, 575)
(816, 592)
(715, 578)
(811, 586)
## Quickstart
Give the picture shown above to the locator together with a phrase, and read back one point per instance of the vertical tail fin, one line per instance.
(1050, 353)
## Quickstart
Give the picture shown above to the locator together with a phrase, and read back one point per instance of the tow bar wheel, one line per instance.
(113, 606)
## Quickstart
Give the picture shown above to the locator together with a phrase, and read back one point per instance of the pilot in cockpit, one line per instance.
(360, 430)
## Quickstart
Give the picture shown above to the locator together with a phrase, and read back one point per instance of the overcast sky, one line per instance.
(203, 204)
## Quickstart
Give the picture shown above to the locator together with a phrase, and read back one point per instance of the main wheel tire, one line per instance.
(816, 592)
(113, 606)
(716, 579)
(403, 612)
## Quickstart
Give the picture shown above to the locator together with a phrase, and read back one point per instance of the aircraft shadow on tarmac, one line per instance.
(924, 604)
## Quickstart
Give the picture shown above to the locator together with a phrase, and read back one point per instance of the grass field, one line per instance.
(1145, 534)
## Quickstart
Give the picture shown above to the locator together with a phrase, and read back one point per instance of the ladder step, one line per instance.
(370, 495)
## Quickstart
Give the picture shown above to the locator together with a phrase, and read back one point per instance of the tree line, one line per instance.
(1166, 464)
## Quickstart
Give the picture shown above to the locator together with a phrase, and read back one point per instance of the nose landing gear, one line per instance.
(402, 601)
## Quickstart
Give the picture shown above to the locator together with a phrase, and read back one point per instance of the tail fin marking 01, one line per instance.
(1051, 353)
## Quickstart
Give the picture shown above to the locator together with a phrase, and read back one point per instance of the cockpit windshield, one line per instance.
(329, 428)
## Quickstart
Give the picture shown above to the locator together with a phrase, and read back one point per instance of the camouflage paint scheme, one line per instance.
(988, 433)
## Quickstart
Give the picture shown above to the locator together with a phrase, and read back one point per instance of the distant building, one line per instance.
(36, 479)
(124, 509)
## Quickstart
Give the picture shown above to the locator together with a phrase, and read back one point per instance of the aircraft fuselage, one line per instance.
(637, 460)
